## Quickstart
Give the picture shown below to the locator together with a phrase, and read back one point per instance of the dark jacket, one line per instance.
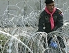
(44, 23)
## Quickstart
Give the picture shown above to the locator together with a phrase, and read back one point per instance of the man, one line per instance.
(50, 19)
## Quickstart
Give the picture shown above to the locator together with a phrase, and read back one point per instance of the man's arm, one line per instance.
(59, 20)
(41, 24)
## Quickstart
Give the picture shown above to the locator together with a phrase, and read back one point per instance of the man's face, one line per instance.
(50, 7)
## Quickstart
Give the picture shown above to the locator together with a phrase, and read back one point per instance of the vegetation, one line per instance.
(3, 39)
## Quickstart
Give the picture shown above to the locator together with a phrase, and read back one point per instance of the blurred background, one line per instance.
(28, 6)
